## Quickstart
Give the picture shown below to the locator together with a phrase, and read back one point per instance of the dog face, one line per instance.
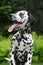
(21, 20)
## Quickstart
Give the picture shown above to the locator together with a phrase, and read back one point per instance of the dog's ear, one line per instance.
(31, 19)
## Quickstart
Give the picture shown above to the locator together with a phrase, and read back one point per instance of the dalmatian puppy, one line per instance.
(22, 42)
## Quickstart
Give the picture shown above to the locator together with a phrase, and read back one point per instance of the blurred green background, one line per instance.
(35, 7)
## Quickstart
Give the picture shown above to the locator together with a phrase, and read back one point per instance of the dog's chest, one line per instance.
(22, 42)
(21, 45)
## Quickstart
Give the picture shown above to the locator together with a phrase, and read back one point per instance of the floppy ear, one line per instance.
(32, 19)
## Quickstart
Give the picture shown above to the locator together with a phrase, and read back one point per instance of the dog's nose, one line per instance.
(10, 15)
(16, 21)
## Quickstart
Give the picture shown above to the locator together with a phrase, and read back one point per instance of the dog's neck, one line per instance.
(26, 30)
(22, 33)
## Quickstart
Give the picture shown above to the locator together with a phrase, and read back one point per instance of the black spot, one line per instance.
(18, 44)
(16, 47)
(15, 52)
(26, 28)
(30, 49)
(25, 38)
(18, 54)
(18, 40)
(17, 35)
(24, 41)
(30, 52)
(11, 62)
(29, 58)
(20, 57)
(13, 39)
(21, 51)
(29, 30)
(24, 45)
(31, 45)
(18, 50)
(25, 53)
(12, 52)
(28, 43)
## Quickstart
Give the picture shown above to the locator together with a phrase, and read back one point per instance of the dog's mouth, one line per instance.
(14, 26)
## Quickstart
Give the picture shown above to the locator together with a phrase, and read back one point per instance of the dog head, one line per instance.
(22, 20)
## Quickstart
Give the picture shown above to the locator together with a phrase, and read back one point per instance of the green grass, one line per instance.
(37, 63)
(7, 63)
(4, 63)
(5, 44)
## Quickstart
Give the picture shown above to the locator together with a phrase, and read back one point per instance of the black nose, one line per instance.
(10, 15)
(16, 21)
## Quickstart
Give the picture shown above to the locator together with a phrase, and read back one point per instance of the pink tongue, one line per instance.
(13, 27)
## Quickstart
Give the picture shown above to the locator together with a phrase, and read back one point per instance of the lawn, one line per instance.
(7, 63)
(37, 63)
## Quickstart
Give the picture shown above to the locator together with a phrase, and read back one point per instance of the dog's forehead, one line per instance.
(21, 13)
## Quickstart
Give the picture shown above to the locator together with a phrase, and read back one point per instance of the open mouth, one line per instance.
(14, 26)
